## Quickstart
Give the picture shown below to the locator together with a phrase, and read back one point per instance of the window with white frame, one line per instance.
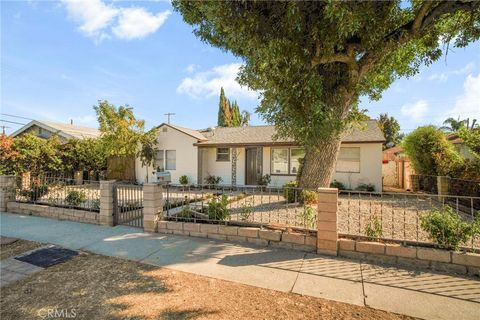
(223, 154)
(171, 159)
(348, 160)
(159, 162)
(286, 160)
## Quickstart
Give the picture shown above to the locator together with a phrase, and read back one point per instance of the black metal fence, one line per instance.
(428, 184)
(128, 205)
(59, 192)
(241, 205)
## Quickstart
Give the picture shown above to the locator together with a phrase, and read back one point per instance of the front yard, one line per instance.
(98, 287)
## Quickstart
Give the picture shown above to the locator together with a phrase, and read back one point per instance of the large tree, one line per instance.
(390, 128)
(312, 60)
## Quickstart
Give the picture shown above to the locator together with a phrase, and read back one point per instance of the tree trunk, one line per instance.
(319, 164)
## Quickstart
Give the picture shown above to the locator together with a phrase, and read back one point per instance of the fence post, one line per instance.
(443, 185)
(7, 191)
(152, 206)
(327, 234)
(106, 202)
(78, 176)
(415, 182)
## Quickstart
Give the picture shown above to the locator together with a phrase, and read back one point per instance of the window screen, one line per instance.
(348, 160)
(171, 156)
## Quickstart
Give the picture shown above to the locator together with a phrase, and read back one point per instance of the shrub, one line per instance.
(308, 216)
(95, 204)
(430, 152)
(246, 212)
(213, 180)
(183, 180)
(264, 180)
(308, 197)
(446, 227)
(35, 193)
(290, 192)
(75, 198)
(338, 185)
(374, 229)
(365, 187)
(217, 208)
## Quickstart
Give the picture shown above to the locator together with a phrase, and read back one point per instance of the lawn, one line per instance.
(98, 287)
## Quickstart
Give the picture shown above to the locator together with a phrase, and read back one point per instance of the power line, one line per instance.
(14, 116)
(22, 124)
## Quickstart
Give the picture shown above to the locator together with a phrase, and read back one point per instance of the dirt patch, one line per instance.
(97, 287)
(16, 248)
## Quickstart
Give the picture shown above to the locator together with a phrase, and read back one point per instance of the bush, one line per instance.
(365, 187)
(290, 192)
(217, 208)
(308, 216)
(35, 193)
(264, 180)
(446, 228)
(308, 197)
(430, 152)
(374, 229)
(75, 198)
(338, 185)
(183, 180)
(213, 180)
(246, 212)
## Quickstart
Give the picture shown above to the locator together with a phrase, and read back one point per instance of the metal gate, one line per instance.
(128, 205)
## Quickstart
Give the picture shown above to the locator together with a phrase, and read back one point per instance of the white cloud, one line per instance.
(208, 83)
(439, 77)
(191, 67)
(467, 105)
(415, 111)
(465, 70)
(136, 23)
(100, 21)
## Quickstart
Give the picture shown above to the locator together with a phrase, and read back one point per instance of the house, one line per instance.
(241, 155)
(65, 131)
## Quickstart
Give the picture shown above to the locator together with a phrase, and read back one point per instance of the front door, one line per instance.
(253, 165)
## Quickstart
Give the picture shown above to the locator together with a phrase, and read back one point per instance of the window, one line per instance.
(223, 154)
(348, 160)
(159, 163)
(171, 162)
(295, 156)
(279, 161)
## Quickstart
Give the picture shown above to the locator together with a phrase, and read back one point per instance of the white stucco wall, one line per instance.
(186, 156)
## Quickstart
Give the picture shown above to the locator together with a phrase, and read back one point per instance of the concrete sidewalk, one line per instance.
(415, 293)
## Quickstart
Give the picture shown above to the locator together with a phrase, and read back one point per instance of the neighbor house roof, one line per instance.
(64, 130)
(263, 135)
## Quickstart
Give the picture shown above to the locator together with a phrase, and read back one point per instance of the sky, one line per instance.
(59, 58)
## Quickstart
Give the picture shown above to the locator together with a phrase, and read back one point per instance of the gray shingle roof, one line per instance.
(62, 129)
(263, 135)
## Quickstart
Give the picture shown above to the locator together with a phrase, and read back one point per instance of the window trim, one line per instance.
(359, 161)
(166, 160)
(289, 154)
(217, 153)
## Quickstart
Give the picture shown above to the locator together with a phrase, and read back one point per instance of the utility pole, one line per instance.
(168, 116)
(3, 129)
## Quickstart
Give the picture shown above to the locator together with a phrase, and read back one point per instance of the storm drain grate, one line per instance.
(47, 257)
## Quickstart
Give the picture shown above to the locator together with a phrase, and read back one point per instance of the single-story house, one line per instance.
(65, 131)
(241, 155)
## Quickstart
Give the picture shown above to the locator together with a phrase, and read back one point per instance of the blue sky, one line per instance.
(59, 58)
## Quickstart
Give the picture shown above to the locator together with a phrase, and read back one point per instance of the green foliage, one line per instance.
(84, 154)
(391, 130)
(213, 180)
(446, 227)
(291, 192)
(183, 180)
(308, 216)
(308, 197)
(365, 187)
(75, 198)
(374, 229)
(217, 208)
(338, 185)
(221, 122)
(95, 204)
(264, 180)
(8, 155)
(148, 147)
(245, 212)
(229, 113)
(430, 152)
(471, 138)
(35, 192)
(453, 125)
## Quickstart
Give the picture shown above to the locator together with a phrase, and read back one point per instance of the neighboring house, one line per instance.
(65, 131)
(396, 169)
(241, 155)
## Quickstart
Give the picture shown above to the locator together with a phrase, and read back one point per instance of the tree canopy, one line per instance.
(229, 113)
(312, 60)
(391, 130)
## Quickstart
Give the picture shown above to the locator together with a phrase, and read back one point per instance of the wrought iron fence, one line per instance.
(399, 217)
(128, 205)
(241, 205)
(462, 187)
(427, 183)
(59, 192)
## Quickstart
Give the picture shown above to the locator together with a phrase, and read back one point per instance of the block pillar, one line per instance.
(106, 202)
(415, 183)
(327, 234)
(7, 191)
(443, 185)
(78, 177)
(152, 206)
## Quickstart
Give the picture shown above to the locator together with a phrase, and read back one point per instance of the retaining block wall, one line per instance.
(258, 236)
(53, 212)
(409, 256)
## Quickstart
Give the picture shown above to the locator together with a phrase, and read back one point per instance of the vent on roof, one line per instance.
(164, 129)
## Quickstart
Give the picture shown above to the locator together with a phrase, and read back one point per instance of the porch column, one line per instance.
(234, 166)
(327, 234)
(7, 191)
(106, 202)
(152, 206)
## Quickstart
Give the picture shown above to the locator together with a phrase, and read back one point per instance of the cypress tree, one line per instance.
(221, 106)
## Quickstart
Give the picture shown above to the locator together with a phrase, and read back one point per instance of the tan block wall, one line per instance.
(258, 236)
(53, 212)
(327, 234)
(152, 206)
